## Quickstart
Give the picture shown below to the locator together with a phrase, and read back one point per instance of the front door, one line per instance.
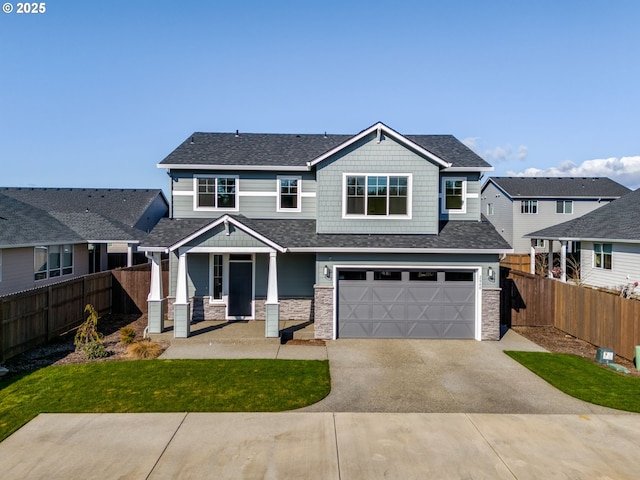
(240, 289)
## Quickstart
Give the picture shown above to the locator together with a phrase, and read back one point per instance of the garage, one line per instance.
(394, 303)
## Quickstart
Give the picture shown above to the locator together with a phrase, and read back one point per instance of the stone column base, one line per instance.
(491, 314)
(323, 312)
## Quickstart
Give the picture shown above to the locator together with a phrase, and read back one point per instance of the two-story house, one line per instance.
(517, 206)
(376, 234)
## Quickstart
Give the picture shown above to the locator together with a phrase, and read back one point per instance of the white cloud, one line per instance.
(625, 170)
(497, 154)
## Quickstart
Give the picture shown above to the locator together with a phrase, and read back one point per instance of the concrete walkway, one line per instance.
(398, 409)
(323, 446)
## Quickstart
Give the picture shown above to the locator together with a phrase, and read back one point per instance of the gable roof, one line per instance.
(300, 236)
(558, 187)
(617, 220)
(269, 151)
(35, 216)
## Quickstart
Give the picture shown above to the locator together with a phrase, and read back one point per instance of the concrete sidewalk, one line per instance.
(323, 446)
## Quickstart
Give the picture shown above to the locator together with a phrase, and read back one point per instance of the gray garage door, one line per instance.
(406, 304)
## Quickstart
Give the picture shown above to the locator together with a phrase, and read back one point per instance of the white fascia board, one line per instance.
(235, 223)
(114, 241)
(154, 249)
(389, 132)
(585, 239)
(275, 168)
(465, 251)
(468, 169)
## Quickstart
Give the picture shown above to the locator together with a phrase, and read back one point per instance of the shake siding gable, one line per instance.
(370, 157)
(216, 237)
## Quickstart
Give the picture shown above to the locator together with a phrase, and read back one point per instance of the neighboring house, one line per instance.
(610, 242)
(53, 234)
(519, 205)
(376, 234)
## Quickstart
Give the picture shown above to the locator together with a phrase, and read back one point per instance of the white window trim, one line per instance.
(350, 216)
(529, 202)
(225, 287)
(299, 193)
(198, 208)
(443, 197)
(602, 253)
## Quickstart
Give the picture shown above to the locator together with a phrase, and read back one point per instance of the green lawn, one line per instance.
(581, 378)
(163, 386)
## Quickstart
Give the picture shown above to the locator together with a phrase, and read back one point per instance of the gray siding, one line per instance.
(296, 275)
(387, 157)
(546, 217)
(17, 269)
(471, 202)
(198, 274)
(257, 195)
(625, 261)
(502, 219)
(216, 237)
(408, 260)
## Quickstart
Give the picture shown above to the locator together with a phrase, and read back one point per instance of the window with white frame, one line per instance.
(216, 193)
(490, 210)
(52, 261)
(216, 280)
(529, 206)
(564, 206)
(602, 255)
(289, 194)
(377, 195)
(454, 191)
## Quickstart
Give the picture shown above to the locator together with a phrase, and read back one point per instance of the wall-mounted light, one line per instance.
(491, 275)
(326, 271)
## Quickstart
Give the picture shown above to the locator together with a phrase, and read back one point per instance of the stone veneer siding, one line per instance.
(290, 309)
(323, 320)
(491, 314)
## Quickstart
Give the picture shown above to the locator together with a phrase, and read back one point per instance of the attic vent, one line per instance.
(325, 134)
(237, 133)
(192, 142)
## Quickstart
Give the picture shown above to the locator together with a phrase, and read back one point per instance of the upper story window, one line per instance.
(454, 191)
(528, 206)
(289, 194)
(564, 206)
(602, 253)
(213, 193)
(490, 210)
(52, 261)
(377, 195)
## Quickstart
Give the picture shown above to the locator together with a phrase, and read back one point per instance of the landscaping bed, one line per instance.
(557, 341)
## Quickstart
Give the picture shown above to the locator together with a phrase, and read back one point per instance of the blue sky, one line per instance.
(95, 94)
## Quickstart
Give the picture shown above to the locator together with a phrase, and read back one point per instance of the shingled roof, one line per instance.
(301, 234)
(617, 220)
(295, 150)
(560, 187)
(32, 216)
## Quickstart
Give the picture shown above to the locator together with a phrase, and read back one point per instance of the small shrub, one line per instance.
(144, 349)
(88, 340)
(127, 335)
(93, 350)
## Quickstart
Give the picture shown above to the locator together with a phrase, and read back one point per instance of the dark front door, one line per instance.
(240, 289)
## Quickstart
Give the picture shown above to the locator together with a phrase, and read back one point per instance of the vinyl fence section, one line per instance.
(600, 318)
(34, 317)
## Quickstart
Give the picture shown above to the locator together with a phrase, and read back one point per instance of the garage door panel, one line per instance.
(408, 309)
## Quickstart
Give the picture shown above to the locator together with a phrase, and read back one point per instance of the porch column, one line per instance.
(272, 305)
(532, 258)
(563, 260)
(156, 301)
(129, 254)
(550, 260)
(181, 307)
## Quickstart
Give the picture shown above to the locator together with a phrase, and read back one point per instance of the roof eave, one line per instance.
(175, 166)
(472, 251)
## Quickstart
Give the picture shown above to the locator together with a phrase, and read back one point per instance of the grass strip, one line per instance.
(580, 378)
(163, 386)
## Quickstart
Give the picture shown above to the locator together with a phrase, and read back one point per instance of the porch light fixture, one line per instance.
(491, 274)
(326, 271)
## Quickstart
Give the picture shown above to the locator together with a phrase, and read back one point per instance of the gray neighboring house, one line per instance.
(609, 239)
(376, 234)
(53, 234)
(519, 205)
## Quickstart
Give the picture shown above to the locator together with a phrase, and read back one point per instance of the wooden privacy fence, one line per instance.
(600, 318)
(36, 316)
(515, 261)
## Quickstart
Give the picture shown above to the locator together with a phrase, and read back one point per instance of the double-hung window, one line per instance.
(377, 195)
(454, 191)
(602, 253)
(289, 194)
(529, 206)
(564, 206)
(216, 193)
